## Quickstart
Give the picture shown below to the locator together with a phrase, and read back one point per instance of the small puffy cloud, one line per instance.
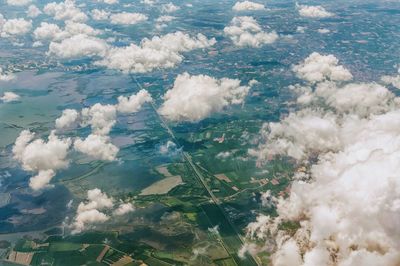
(245, 31)
(124, 208)
(110, 2)
(133, 103)
(33, 11)
(126, 18)
(392, 80)
(77, 46)
(98, 14)
(6, 76)
(18, 2)
(247, 5)
(89, 212)
(98, 147)
(100, 117)
(40, 156)
(15, 27)
(317, 68)
(194, 98)
(169, 8)
(65, 11)
(313, 11)
(42, 179)
(162, 19)
(323, 31)
(68, 118)
(48, 31)
(158, 52)
(9, 97)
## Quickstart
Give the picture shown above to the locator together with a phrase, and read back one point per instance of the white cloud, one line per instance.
(125, 18)
(42, 179)
(6, 76)
(100, 117)
(49, 31)
(77, 46)
(164, 19)
(68, 118)
(9, 97)
(33, 11)
(133, 103)
(65, 11)
(392, 80)
(40, 156)
(313, 11)
(348, 203)
(245, 31)
(247, 5)
(100, 14)
(110, 2)
(15, 27)
(158, 52)
(98, 147)
(169, 8)
(89, 213)
(323, 31)
(124, 208)
(287, 136)
(317, 67)
(193, 98)
(18, 2)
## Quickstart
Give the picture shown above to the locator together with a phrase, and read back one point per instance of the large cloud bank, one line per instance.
(193, 98)
(346, 203)
(245, 31)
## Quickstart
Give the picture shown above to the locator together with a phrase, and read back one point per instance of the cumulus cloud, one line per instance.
(133, 103)
(169, 8)
(347, 203)
(193, 98)
(14, 27)
(125, 18)
(33, 11)
(77, 46)
(89, 213)
(124, 208)
(100, 117)
(9, 96)
(392, 80)
(245, 31)
(65, 11)
(18, 2)
(41, 156)
(68, 118)
(6, 76)
(313, 11)
(158, 52)
(98, 147)
(96, 209)
(247, 5)
(49, 31)
(98, 14)
(317, 67)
